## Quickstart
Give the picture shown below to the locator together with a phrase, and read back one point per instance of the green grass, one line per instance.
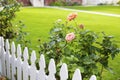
(40, 20)
(106, 9)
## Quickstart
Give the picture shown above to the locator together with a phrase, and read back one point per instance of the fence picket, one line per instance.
(8, 59)
(42, 75)
(25, 64)
(3, 63)
(64, 72)
(10, 62)
(19, 63)
(33, 66)
(3, 57)
(52, 70)
(0, 57)
(77, 75)
(13, 59)
(93, 77)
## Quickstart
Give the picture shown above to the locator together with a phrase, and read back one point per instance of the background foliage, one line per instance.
(64, 3)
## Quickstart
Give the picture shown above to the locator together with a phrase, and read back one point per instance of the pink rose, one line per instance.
(70, 37)
(72, 16)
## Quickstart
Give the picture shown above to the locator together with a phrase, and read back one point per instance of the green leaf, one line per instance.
(81, 69)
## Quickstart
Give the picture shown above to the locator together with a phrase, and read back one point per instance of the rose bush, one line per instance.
(79, 48)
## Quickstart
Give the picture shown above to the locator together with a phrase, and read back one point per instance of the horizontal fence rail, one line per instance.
(14, 64)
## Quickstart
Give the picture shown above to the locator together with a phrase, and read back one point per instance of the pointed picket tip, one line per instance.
(25, 53)
(33, 57)
(19, 51)
(77, 75)
(13, 47)
(7, 44)
(93, 77)
(2, 41)
(64, 72)
(42, 61)
(52, 68)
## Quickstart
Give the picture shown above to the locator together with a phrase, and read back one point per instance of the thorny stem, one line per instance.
(75, 23)
(101, 73)
(65, 45)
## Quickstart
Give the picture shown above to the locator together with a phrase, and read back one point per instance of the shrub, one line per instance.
(58, 3)
(118, 2)
(7, 14)
(79, 48)
(64, 3)
(8, 29)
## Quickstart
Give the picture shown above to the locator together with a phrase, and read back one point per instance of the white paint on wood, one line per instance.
(64, 72)
(0, 55)
(8, 59)
(10, 62)
(52, 70)
(77, 75)
(33, 66)
(0, 47)
(19, 63)
(13, 58)
(93, 77)
(3, 64)
(0, 66)
(3, 57)
(25, 64)
(42, 75)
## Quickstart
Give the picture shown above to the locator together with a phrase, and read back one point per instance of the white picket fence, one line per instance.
(13, 66)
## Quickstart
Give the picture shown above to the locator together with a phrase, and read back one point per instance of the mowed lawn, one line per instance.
(40, 20)
(102, 8)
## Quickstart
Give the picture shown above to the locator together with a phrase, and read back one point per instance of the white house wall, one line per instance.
(37, 3)
(95, 2)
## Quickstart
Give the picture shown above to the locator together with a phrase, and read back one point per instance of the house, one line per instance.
(96, 2)
(41, 3)
(25, 2)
